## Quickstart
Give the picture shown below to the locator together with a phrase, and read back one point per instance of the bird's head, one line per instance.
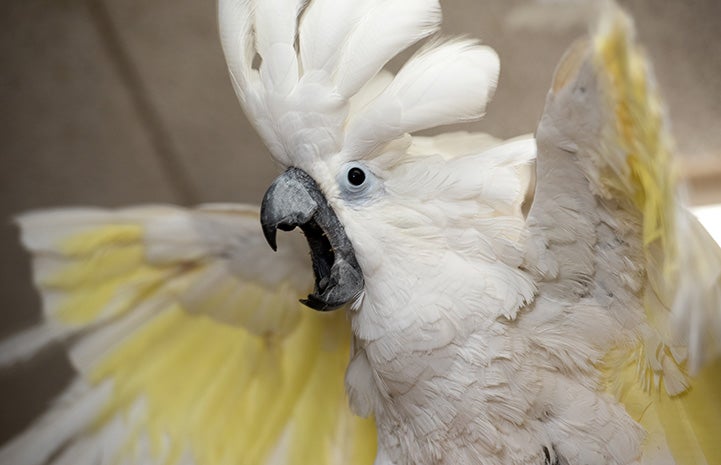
(310, 78)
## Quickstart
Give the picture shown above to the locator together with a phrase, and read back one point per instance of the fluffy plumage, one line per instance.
(565, 314)
(480, 333)
(299, 101)
(182, 347)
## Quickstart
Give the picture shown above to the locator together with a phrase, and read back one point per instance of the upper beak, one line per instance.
(294, 199)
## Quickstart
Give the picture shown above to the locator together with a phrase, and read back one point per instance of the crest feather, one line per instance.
(443, 84)
(299, 97)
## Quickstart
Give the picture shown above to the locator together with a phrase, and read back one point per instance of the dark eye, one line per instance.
(356, 176)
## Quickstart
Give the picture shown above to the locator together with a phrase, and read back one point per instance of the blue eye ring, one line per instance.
(358, 184)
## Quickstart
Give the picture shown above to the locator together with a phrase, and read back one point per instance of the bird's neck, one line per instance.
(414, 317)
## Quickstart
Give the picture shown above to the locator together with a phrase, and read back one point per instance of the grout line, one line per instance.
(150, 118)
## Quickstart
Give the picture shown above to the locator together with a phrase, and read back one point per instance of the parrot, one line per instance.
(452, 299)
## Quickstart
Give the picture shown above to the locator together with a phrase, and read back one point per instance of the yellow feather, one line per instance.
(230, 395)
(679, 412)
(97, 272)
(689, 423)
(225, 369)
(94, 269)
(111, 298)
(93, 240)
(639, 132)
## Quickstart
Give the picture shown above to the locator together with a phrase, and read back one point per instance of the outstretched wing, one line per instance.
(189, 342)
(616, 247)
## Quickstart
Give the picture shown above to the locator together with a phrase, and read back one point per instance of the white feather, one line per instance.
(43, 230)
(324, 28)
(235, 22)
(445, 84)
(301, 110)
(83, 451)
(370, 91)
(75, 411)
(387, 29)
(696, 309)
(114, 435)
(26, 344)
(275, 30)
(231, 232)
(96, 344)
(453, 144)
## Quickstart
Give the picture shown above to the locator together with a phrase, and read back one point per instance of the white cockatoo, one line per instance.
(533, 301)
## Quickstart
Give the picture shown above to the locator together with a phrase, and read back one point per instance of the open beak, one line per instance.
(295, 200)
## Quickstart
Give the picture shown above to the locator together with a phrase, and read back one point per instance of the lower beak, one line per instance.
(295, 200)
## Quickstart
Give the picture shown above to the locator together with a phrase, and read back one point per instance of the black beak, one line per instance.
(294, 199)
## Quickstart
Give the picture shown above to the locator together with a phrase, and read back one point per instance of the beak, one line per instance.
(295, 200)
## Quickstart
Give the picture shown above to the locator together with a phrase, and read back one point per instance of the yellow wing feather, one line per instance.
(639, 131)
(681, 412)
(203, 362)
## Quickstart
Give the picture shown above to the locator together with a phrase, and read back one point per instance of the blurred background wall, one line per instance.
(116, 102)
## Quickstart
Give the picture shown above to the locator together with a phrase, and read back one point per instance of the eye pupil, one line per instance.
(356, 176)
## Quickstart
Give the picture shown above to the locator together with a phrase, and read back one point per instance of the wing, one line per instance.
(189, 343)
(614, 246)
